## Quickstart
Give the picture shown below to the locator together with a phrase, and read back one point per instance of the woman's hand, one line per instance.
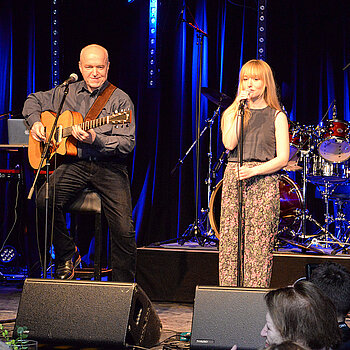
(244, 172)
(244, 95)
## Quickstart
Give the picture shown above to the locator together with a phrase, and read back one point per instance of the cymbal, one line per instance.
(219, 98)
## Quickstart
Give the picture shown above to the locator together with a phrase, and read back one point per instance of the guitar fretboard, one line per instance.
(90, 124)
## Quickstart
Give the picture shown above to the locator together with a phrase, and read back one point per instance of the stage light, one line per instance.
(8, 254)
(55, 53)
(130, 1)
(152, 80)
(261, 35)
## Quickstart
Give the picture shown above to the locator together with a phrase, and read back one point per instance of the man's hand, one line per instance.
(38, 131)
(83, 136)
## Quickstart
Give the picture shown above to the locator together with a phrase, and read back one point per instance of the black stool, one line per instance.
(90, 202)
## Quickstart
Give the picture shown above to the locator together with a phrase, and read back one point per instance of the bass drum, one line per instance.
(290, 202)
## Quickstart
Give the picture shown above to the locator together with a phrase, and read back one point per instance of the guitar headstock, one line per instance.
(120, 117)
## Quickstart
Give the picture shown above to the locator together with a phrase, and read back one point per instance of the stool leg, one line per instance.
(98, 244)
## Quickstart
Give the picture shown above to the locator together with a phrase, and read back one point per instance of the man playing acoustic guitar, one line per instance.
(100, 161)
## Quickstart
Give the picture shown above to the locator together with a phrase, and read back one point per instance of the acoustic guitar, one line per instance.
(63, 143)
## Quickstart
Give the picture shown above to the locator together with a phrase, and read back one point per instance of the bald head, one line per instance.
(94, 48)
(94, 66)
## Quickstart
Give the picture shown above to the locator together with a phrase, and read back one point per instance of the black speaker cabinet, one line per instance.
(88, 312)
(225, 316)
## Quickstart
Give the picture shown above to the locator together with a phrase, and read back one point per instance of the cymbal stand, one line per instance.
(304, 156)
(342, 226)
(210, 176)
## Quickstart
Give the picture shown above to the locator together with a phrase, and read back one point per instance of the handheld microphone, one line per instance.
(245, 100)
(72, 78)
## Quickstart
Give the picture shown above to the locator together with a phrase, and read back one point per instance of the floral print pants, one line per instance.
(260, 218)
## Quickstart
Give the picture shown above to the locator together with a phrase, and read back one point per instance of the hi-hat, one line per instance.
(216, 97)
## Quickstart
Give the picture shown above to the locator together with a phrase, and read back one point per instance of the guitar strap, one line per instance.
(100, 102)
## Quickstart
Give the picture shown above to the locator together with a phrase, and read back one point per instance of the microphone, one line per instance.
(244, 101)
(180, 18)
(72, 79)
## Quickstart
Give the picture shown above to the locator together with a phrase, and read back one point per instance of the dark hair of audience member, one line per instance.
(287, 345)
(303, 314)
(334, 281)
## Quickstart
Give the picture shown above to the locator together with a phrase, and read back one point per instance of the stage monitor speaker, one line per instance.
(88, 313)
(225, 316)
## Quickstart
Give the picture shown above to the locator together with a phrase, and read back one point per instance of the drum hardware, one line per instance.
(304, 156)
(320, 171)
(325, 237)
(301, 245)
(342, 226)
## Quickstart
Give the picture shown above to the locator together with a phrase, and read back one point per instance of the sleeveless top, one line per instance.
(259, 143)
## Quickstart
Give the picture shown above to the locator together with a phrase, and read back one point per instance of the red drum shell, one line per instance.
(334, 143)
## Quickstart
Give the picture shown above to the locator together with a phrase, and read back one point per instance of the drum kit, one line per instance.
(321, 155)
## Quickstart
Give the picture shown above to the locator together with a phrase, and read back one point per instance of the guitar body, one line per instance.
(67, 146)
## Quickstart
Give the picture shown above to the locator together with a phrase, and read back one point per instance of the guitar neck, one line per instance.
(90, 124)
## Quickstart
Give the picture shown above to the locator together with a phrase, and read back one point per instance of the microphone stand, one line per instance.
(347, 66)
(200, 34)
(181, 161)
(240, 248)
(45, 155)
(209, 182)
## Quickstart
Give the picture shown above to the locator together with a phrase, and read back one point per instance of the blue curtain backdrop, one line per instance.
(307, 47)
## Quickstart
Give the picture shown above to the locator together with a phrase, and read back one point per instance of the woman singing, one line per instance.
(265, 152)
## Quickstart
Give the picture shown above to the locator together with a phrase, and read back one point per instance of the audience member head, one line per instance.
(334, 281)
(301, 313)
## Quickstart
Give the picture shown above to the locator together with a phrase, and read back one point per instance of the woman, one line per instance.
(302, 314)
(265, 152)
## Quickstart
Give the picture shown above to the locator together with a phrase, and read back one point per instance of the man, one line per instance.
(334, 281)
(100, 163)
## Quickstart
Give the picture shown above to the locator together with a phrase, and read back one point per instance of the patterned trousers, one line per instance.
(260, 218)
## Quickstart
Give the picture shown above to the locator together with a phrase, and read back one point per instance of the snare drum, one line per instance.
(320, 171)
(334, 145)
